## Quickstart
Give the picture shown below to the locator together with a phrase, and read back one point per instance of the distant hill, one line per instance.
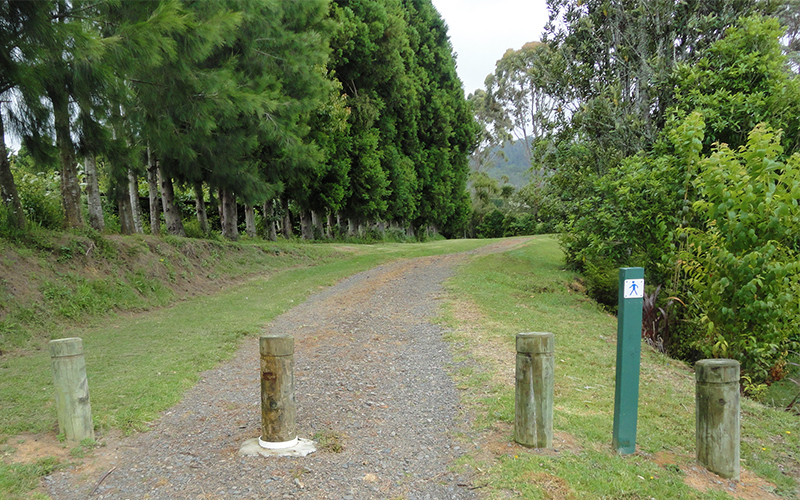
(516, 168)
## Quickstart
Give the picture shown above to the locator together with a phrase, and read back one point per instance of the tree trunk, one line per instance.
(269, 215)
(122, 195)
(172, 215)
(287, 219)
(219, 208)
(200, 205)
(329, 229)
(8, 189)
(230, 215)
(305, 225)
(155, 196)
(318, 225)
(250, 221)
(136, 208)
(96, 219)
(70, 187)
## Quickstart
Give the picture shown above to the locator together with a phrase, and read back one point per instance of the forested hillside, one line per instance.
(508, 160)
(667, 136)
(270, 115)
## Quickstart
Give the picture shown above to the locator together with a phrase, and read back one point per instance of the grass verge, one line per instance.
(496, 296)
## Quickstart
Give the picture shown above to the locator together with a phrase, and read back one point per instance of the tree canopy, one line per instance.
(347, 108)
(676, 151)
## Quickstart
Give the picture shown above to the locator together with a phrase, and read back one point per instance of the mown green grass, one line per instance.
(527, 290)
(18, 480)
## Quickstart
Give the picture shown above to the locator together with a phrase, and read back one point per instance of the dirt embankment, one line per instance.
(64, 279)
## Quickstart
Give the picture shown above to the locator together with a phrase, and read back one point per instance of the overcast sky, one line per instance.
(482, 30)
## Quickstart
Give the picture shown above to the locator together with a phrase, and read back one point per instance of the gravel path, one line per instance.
(370, 371)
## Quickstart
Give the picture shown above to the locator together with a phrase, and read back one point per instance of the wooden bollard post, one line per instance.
(72, 389)
(277, 392)
(533, 415)
(717, 416)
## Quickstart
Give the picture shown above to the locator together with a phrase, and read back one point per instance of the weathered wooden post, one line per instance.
(717, 416)
(629, 347)
(533, 415)
(72, 389)
(278, 409)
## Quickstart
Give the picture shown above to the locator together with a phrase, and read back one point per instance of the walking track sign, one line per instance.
(629, 348)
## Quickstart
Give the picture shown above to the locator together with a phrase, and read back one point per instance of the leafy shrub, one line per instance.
(192, 229)
(602, 282)
(396, 235)
(492, 225)
(742, 269)
(8, 229)
(41, 199)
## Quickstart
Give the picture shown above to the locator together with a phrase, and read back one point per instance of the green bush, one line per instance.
(192, 229)
(602, 282)
(492, 225)
(41, 199)
(742, 268)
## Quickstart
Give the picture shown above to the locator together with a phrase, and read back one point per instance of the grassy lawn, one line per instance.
(494, 297)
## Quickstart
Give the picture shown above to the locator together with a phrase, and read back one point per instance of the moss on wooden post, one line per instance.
(277, 391)
(72, 389)
(717, 416)
(533, 416)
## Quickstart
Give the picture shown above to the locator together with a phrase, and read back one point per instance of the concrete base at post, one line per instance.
(254, 448)
(278, 436)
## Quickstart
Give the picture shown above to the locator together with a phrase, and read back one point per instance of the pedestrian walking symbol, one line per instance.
(634, 289)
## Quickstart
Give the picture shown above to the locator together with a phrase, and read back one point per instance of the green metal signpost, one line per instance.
(629, 347)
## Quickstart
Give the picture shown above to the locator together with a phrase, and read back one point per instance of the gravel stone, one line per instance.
(370, 369)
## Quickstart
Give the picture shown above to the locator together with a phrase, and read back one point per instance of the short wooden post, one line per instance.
(277, 392)
(717, 416)
(533, 416)
(72, 389)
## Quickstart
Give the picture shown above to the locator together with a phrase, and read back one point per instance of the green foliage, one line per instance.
(40, 198)
(193, 230)
(409, 127)
(742, 268)
(347, 107)
(520, 100)
(714, 230)
(492, 225)
(742, 81)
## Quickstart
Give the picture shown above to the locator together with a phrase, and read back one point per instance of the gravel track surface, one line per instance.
(370, 372)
